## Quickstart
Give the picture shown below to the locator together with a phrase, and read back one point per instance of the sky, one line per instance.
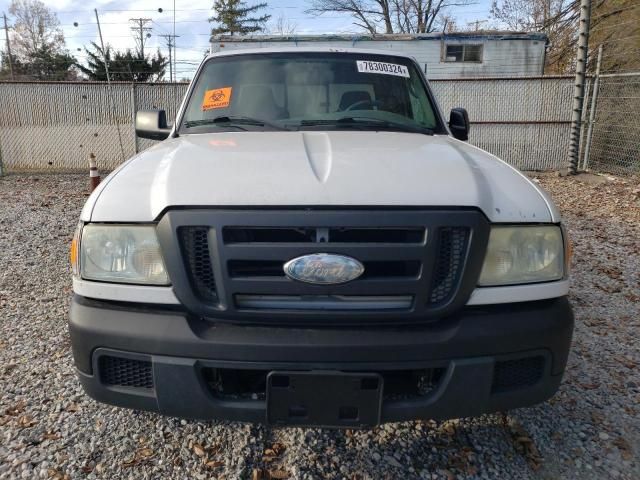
(190, 23)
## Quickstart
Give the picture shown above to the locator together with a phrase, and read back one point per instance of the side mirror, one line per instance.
(459, 123)
(152, 124)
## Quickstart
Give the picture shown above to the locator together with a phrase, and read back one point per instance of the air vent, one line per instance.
(452, 249)
(125, 372)
(514, 374)
(195, 244)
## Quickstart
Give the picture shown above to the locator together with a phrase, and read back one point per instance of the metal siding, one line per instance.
(501, 57)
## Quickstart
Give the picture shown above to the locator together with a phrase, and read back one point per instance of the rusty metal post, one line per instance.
(592, 112)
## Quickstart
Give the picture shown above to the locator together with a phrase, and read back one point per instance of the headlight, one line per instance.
(122, 253)
(525, 254)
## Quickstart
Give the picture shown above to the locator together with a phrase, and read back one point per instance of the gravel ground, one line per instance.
(49, 429)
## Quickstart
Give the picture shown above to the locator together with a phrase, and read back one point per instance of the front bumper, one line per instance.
(467, 347)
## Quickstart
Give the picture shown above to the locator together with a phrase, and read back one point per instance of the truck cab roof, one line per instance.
(305, 49)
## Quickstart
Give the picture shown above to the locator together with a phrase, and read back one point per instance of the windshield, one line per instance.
(309, 91)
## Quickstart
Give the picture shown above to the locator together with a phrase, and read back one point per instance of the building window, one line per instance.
(463, 53)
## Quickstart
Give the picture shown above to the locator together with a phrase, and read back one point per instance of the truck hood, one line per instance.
(316, 169)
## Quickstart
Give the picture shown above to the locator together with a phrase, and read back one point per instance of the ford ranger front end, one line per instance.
(311, 245)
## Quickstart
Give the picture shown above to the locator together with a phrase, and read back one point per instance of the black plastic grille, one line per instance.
(125, 372)
(452, 248)
(406, 254)
(513, 374)
(195, 244)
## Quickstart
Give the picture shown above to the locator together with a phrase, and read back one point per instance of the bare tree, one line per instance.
(392, 16)
(523, 15)
(36, 28)
(283, 26)
(425, 16)
(559, 20)
(449, 24)
(367, 14)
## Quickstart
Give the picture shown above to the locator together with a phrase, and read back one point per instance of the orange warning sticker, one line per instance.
(217, 98)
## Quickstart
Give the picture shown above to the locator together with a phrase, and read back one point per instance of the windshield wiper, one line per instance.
(234, 121)
(368, 122)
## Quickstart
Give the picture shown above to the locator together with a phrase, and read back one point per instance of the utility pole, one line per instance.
(175, 68)
(170, 45)
(578, 86)
(6, 32)
(141, 32)
(106, 69)
(104, 52)
(477, 24)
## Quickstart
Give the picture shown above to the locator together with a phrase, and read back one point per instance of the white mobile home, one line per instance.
(441, 55)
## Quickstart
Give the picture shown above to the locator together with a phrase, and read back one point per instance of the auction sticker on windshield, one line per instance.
(217, 98)
(366, 66)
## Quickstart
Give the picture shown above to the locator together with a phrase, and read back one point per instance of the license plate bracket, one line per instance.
(324, 399)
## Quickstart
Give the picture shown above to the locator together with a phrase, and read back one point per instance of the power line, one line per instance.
(152, 10)
(614, 11)
(106, 68)
(170, 39)
(616, 26)
(141, 32)
(174, 34)
(612, 40)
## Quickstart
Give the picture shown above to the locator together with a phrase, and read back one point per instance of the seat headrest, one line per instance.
(353, 97)
(258, 101)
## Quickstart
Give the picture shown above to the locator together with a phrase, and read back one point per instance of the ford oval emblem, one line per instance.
(323, 268)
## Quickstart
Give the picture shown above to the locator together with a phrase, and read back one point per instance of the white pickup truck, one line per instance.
(314, 244)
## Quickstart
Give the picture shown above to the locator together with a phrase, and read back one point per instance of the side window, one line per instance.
(454, 53)
(463, 53)
(472, 53)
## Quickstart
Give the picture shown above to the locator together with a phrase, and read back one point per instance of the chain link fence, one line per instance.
(611, 137)
(54, 126)
(524, 121)
(166, 96)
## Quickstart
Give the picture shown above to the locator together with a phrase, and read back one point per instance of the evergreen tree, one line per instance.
(42, 64)
(235, 17)
(124, 66)
(45, 64)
